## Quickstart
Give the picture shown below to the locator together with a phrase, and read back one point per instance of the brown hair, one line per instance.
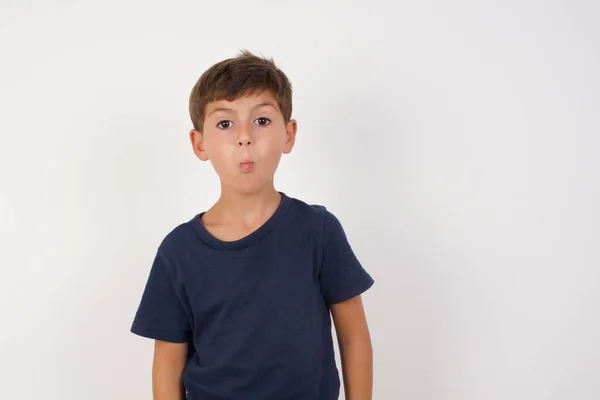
(246, 74)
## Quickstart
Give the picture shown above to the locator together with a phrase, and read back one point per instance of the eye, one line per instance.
(225, 124)
(263, 121)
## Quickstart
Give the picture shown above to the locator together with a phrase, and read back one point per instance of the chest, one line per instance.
(275, 279)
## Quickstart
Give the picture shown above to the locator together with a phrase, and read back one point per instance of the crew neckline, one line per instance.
(248, 240)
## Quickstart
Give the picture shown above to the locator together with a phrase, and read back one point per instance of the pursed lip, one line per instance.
(247, 165)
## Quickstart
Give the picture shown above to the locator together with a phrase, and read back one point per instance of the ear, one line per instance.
(290, 136)
(198, 144)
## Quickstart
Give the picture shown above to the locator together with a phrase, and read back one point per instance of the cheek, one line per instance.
(218, 145)
(271, 154)
(220, 153)
(271, 146)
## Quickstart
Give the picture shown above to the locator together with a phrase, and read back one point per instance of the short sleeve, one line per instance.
(342, 276)
(162, 314)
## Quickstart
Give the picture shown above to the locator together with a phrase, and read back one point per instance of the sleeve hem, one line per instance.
(157, 334)
(351, 293)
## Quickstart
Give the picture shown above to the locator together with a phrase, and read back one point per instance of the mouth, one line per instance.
(247, 165)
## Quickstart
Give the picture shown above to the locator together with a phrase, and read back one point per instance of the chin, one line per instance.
(248, 187)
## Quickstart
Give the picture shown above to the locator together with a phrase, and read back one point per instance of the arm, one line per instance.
(167, 370)
(355, 348)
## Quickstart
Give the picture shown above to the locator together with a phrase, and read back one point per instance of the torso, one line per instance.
(261, 329)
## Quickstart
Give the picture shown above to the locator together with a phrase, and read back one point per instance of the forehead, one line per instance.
(246, 102)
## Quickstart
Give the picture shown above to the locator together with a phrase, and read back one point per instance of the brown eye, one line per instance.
(263, 121)
(224, 124)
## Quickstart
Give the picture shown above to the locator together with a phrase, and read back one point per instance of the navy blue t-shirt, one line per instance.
(255, 311)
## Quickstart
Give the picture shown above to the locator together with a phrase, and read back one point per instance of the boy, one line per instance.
(240, 298)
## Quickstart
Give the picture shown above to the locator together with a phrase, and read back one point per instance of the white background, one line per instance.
(457, 141)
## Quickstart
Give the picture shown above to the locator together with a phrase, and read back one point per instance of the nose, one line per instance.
(245, 136)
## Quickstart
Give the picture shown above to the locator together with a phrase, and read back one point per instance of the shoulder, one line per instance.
(176, 249)
(317, 216)
(178, 238)
(312, 213)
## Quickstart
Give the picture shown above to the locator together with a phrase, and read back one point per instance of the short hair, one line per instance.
(230, 79)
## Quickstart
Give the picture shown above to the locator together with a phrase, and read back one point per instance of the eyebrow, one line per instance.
(225, 109)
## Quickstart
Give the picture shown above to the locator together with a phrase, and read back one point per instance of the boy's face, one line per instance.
(244, 140)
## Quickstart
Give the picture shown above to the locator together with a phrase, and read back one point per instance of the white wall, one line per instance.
(457, 141)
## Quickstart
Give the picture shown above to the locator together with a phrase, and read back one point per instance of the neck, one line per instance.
(236, 206)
